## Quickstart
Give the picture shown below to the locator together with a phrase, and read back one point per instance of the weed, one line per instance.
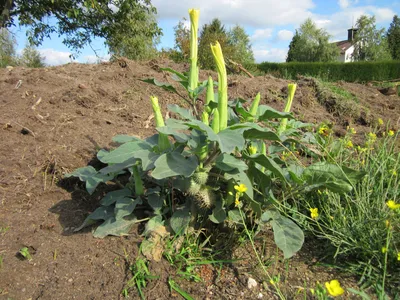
(25, 253)
(173, 286)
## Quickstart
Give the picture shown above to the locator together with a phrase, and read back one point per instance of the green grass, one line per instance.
(360, 231)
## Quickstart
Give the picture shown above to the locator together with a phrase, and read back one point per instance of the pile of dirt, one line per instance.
(54, 120)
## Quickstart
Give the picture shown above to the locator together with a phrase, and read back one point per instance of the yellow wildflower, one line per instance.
(334, 288)
(387, 223)
(398, 256)
(324, 130)
(380, 121)
(394, 172)
(352, 130)
(384, 249)
(390, 133)
(241, 188)
(237, 202)
(349, 144)
(392, 204)
(372, 136)
(314, 213)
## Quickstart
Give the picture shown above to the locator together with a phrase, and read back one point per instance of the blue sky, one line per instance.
(269, 23)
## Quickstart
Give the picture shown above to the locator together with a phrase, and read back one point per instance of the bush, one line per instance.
(351, 72)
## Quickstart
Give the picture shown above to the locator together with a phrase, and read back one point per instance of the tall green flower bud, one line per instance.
(222, 86)
(291, 91)
(163, 141)
(215, 122)
(194, 70)
(210, 94)
(254, 105)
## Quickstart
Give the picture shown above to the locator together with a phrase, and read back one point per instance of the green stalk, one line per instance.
(215, 122)
(204, 149)
(210, 94)
(222, 86)
(230, 192)
(291, 91)
(163, 141)
(254, 105)
(194, 71)
(263, 151)
(138, 180)
(204, 118)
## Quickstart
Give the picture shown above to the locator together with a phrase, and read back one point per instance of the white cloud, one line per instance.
(284, 35)
(92, 59)
(256, 13)
(260, 34)
(54, 57)
(270, 54)
(344, 3)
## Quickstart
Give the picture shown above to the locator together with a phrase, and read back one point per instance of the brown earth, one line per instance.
(53, 120)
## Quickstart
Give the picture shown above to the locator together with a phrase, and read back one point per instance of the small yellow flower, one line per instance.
(241, 188)
(390, 133)
(349, 144)
(324, 130)
(314, 213)
(394, 172)
(387, 223)
(372, 136)
(384, 249)
(398, 256)
(252, 150)
(352, 130)
(392, 204)
(380, 121)
(334, 288)
(272, 282)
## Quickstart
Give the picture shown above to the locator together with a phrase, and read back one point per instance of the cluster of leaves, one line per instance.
(122, 24)
(311, 44)
(234, 42)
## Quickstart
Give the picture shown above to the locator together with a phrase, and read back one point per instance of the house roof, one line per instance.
(343, 45)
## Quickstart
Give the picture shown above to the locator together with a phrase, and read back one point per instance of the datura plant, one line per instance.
(210, 166)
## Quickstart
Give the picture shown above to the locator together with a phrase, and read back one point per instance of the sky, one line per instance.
(269, 23)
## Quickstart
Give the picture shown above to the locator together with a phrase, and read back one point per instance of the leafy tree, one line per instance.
(393, 37)
(294, 43)
(31, 58)
(210, 33)
(182, 41)
(311, 44)
(7, 49)
(133, 42)
(240, 41)
(369, 42)
(81, 20)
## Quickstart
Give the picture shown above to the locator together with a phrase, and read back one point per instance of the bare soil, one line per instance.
(54, 120)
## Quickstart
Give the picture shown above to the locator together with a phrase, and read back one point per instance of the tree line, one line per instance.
(312, 44)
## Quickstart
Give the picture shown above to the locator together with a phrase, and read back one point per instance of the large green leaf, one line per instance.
(227, 162)
(180, 220)
(287, 234)
(101, 213)
(112, 197)
(260, 133)
(125, 151)
(218, 214)
(265, 113)
(196, 124)
(179, 136)
(112, 226)
(331, 176)
(156, 202)
(268, 163)
(174, 164)
(125, 206)
(165, 86)
(229, 140)
(183, 112)
(115, 168)
(91, 176)
(147, 158)
(122, 139)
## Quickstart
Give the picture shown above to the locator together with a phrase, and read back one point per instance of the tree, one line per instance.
(182, 41)
(294, 43)
(369, 42)
(240, 41)
(311, 44)
(81, 20)
(31, 58)
(132, 41)
(7, 49)
(393, 37)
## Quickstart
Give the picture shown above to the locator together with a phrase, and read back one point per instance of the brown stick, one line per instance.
(241, 68)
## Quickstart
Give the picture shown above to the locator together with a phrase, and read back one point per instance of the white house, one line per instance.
(346, 47)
